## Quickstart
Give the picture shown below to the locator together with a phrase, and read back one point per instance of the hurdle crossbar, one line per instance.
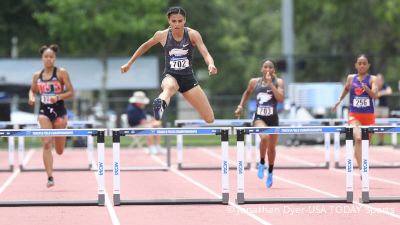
(57, 133)
(71, 125)
(365, 131)
(240, 198)
(170, 131)
(390, 122)
(216, 123)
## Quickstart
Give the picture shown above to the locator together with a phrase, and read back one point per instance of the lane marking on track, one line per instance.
(318, 190)
(342, 171)
(108, 203)
(208, 190)
(16, 171)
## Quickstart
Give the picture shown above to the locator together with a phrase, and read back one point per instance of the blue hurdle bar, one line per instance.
(365, 131)
(216, 123)
(240, 199)
(35, 125)
(170, 131)
(57, 133)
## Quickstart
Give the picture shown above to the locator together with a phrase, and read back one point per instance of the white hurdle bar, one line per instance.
(116, 136)
(365, 131)
(60, 133)
(216, 123)
(240, 198)
(170, 131)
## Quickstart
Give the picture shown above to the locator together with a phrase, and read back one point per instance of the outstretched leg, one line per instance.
(170, 87)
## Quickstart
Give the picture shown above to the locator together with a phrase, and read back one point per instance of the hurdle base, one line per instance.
(383, 199)
(294, 200)
(172, 202)
(10, 169)
(385, 166)
(63, 169)
(142, 168)
(240, 198)
(181, 167)
(116, 199)
(26, 203)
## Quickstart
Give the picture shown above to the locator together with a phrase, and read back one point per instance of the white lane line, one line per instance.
(108, 203)
(16, 172)
(323, 192)
(239, 209)
(342, 171)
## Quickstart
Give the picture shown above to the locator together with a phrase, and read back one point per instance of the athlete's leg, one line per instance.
(45, 123)
(169, 87)
(59, 142)
(198, 99)
(263, 149)
(357, 141)
(272, 141)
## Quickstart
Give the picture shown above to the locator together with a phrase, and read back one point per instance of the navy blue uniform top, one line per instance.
(135, 115)
(178, 55)
(266, 101)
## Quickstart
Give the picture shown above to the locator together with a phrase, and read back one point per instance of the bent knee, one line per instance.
(209, 120)
(60, 151)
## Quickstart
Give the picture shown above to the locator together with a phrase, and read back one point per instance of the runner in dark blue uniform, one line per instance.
(179, 42)
(53, 85)
(269, 90)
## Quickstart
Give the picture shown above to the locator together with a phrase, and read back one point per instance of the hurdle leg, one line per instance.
(240, 173)
(336, 148)
(349, 164)
(11, 148)
(365, 165)
(90, 150)
(248, 151)
(225, 165)
(21, 151)
(257, 146)
(394, 137)
(327, 137)
(179, 149)
(116, 168)
(100, 167)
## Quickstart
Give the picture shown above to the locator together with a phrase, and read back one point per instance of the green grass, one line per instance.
(204, 140)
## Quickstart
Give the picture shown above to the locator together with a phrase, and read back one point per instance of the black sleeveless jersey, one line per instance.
(178, 55)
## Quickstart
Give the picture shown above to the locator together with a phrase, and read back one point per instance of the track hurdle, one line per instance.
(170, 131)
(216, 123)
(57, 133)
(11, 148)
(71, 125)
(240, 198)
(365, 131)
(379, 121)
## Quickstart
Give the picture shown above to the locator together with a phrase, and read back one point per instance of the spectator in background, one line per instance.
(137, 117)
(381, 102)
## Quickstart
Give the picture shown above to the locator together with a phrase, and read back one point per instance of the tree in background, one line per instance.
(101, 27)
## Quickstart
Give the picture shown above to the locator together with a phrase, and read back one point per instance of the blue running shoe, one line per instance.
(260, 173)
(158, 108)
(269, 180)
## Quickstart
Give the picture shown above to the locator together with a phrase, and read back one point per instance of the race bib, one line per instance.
(179, 64)
(361, 102)
(265, 111)
(46, 99)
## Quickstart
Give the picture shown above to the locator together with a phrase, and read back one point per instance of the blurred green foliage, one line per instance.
(329, 34)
